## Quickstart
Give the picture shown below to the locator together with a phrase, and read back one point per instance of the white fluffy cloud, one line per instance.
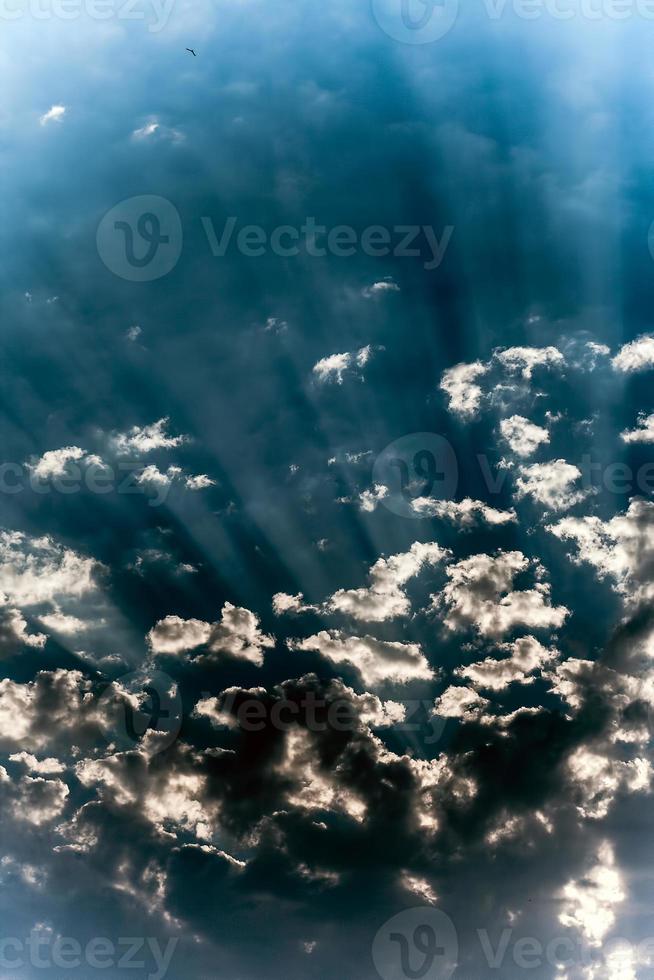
(638, 355)
(479, 595)
(369, 499)
(525, 359)
(376, 661)
(523, 436)
(236, 634)
(145, 439)
(336, 366)
(551, 484)
(644, 432)
(35, 570)
(526, 657)
(385, 598)
(460, 385)
(622, 547)
(460, 702)
(464, 513)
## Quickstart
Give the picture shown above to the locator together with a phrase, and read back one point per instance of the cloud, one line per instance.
(479, 595)
(526, 656)
(54, 114)
(460, 385)
(42, 714)
(387, 285)
(236, 634)
(466, 395)
(524, 437)
(55, 462)
(385, 598)
(551, 484)
(145, 439)
(525, 359)
(369, 499)
(153, 129)
(460, 702)
(376, 661)
(13, 632)
(37, 570)
(199, 482)
(637, 355)
(621, 548)
(283, 603)
(466, 513)
(643, 433)
(589, 903)
(335, 367)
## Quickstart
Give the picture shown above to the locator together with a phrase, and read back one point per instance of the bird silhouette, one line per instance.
(191, 51)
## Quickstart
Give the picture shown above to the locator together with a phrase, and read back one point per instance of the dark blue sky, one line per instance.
(203, 518)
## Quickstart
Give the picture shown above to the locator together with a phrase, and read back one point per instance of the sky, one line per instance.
(326, 489)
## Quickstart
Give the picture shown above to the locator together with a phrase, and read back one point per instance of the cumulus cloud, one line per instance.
(637, 355)
(460, 385)
(376, 661)
(621, 548)
(589, 904)
(14, 633)
(236, 634)
(526, 656)
(335, 367)
(283, 603)
(524, 437)
(199, 482)
(39, 714)
(36, 570)
(551, 484)
(145, 439)
(385, 598)
(54, 462)
(525, 359)
(644, 432)
(465, 513)
(480, 595)
(460, 702)
(369, 499)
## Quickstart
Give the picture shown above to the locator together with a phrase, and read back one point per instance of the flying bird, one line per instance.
(192, 52)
